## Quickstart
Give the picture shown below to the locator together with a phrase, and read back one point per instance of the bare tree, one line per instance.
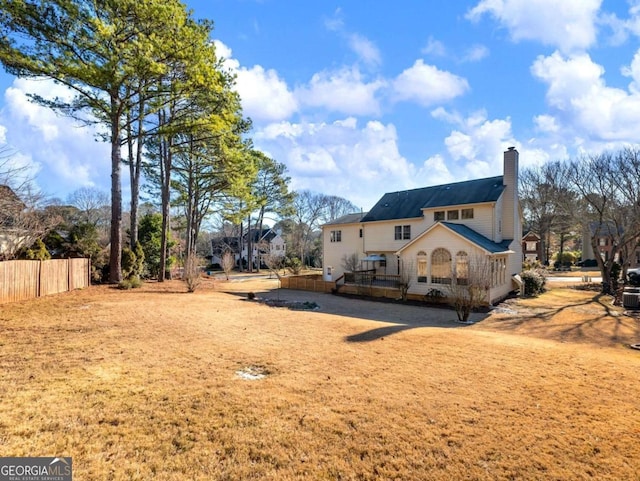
(350, 262)
(547, 202)
(227, 262)
(468, 290)
(407, 271)
(274, 263)
(23, 218)
(93, 204)
(192, 272)
(610, 185)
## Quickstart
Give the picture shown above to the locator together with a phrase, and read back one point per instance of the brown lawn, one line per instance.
(144, 384)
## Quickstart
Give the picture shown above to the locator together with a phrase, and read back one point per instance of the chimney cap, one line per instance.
(511, 148)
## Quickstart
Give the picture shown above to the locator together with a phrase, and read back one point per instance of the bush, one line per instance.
(191, 274)
(567, 257)
(37, 252)
(130, 283)
(534, 282)
(294, 265)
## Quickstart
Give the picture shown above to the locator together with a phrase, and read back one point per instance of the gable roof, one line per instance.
(604, 229)
(478, 239)
(408, 204)
(470, 235)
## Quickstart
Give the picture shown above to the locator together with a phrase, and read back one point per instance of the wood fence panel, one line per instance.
(22, 280)
(18, 280)
(54, 276)
(78, 273)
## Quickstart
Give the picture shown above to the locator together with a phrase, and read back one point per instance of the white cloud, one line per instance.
(475, 53)
(336, 22)
(568, 25)
(546, 123)
(434, 47)
(586, 107)
(264, 95)
(344, 91)
(340, 158)
(428, 85)
(477, 144)
(633, 71)
(365, 49)
(65, 155)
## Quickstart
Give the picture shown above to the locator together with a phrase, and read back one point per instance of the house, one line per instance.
(12, 232)
(532, 247)
(430, 234)
(265, 242)
(605, 236)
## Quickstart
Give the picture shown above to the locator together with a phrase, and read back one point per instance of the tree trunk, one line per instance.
(249, 246)
(165, 191)
(135, 166)
(115, 256)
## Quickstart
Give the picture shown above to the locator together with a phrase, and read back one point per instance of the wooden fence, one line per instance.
(21, 280)
(307, 283)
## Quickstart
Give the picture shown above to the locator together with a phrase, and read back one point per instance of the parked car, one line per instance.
(633, 276)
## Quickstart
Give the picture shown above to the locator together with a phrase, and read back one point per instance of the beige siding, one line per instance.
(482, 222)
(333, 252)
(440, 237)
(380, 236)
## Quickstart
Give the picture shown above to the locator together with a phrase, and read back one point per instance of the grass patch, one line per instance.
(145, 386)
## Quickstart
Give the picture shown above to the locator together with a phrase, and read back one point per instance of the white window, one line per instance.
(422, 266)
(441, 266)
(462, 268)
(467, 213)
(336, 236)
(402, 232)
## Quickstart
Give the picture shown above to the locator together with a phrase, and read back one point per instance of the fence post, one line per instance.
(39, 282)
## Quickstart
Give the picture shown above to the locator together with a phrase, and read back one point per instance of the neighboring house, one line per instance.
(435, 231)
(12, 234)
(220, 245)
(532, 247)
(263, 243)
(605, 237)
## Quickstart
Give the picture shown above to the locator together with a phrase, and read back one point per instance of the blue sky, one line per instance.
(359, 99)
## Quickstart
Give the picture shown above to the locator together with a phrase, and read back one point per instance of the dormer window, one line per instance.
(467, 213)
(438, 215)
(452, 215)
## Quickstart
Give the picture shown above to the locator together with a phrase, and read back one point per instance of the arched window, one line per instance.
(422, 266)
(441, 266)
(462, 268)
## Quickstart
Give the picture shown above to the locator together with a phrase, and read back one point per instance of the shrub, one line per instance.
(534, 282)
(294, 265)
(567, 257)
(38, 252)
(130, 283)
(192, 273)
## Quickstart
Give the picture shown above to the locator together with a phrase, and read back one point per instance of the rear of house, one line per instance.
(432, 237)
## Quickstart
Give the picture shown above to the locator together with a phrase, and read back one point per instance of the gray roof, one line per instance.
(348, 219)
(408, 204)
(604, 229)
(479, 239)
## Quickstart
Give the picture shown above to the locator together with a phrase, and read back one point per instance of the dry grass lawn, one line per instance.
(144, 384)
